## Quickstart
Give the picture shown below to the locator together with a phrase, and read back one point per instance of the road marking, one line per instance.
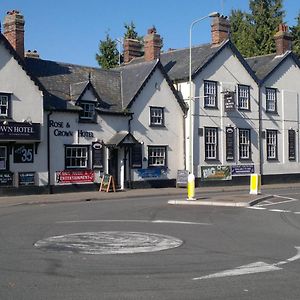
(257, 207)
(109, 242)
(280, 210)
(281, 202)
(257, 267)
(134, 221)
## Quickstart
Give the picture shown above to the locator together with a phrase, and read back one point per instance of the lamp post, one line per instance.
(191, 177)
(213, 14)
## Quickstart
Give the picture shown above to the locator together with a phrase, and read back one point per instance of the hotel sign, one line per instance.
(20, 131)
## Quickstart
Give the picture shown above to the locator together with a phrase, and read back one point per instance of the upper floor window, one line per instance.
(244, 97)
(271, 144)
(88, 111)
(211, 143)
(157, 116)
(4, 105)
(271, 100)
(157, 156)
(76, 157)
(210, 94)
(244, 144)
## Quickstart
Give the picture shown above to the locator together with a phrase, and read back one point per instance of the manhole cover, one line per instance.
(109, 242)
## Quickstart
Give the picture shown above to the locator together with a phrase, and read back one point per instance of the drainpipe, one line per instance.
(127, 151)
(260, 132)
(48, 153)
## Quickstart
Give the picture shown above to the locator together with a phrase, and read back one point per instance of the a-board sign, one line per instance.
(107, 183)
(182, 178)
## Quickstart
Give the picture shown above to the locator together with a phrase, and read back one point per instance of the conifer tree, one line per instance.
(295, 30)
(256, 30)
(108, 56)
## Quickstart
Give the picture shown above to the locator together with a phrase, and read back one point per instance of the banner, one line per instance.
(75, 176)
(216, 173)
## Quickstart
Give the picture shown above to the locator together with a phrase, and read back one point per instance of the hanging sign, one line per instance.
(229, 101)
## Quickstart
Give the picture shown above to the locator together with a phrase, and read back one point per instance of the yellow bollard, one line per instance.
(255, 184)
(191, 187)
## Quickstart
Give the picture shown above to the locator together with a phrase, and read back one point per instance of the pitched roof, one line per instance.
(265, 65)
(176, 62)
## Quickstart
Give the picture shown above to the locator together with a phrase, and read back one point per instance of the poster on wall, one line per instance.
(6, 178)
(242, 169)
(26, 178)
(149, 173)
(210, 173)
(84, 176)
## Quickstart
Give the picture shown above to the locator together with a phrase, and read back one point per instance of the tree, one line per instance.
(242, 32)
(108, 56)
(257, 29)
(295, 30)
(130, 32)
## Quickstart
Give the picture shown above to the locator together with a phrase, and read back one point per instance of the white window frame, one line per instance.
(244, 97)
(272, 145)
(4, 105)
(210, 94)
(156, 116)
(244, 144)
(3, 158)
(157, 156)
(76, 157)
(271, 100)
(211, 143)
(88, 112)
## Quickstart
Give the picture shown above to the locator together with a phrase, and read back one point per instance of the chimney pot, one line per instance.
(283, 39)
(220, 30)
(152, 45)
(14, 31)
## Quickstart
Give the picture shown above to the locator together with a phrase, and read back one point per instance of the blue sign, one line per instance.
(149, 173)
(242, 169)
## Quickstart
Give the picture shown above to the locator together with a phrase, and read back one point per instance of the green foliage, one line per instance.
(295, 30)
(253, 33)
(108, 56)
(130, 32)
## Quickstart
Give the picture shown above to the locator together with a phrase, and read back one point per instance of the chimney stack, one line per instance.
(220, 30)
(132, 49)
(152, 45)
(283, 39)
(14, 30)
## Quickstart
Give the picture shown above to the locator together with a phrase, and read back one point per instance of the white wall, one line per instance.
(158, 93)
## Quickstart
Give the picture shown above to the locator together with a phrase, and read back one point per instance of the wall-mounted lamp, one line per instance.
(5, 122)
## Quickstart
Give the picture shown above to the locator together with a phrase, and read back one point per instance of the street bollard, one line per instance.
(191, 187)
(255, 183)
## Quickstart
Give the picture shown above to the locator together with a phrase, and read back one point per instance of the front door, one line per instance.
(113, 165)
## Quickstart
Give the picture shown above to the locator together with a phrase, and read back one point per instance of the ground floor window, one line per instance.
(3, 157)
(76, 157)
(211, 143)
(244, 144)
(157, 156)
(292, 144)
(271, 144)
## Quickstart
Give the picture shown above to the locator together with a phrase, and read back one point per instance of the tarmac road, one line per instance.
(219, 252)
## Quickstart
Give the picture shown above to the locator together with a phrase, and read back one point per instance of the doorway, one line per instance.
(113, 164)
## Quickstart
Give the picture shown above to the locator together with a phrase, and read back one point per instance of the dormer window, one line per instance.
(88, 112)
(4, 105)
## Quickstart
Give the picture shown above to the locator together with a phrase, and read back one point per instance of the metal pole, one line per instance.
(213, 14)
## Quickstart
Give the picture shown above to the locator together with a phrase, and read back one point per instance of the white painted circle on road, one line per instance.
(109, 242)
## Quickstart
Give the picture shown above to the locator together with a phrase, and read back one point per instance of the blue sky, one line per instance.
(70, 30)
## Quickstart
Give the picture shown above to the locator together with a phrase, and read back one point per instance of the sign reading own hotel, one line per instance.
(20, 131)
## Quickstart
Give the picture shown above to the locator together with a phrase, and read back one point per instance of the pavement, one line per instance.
(236, 196)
